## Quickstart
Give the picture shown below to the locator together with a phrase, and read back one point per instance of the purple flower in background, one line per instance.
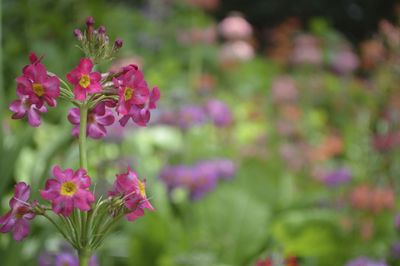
(396, 250)
(98, 118)
(198, 179)
(306, 50)
(364, 261)
(345, 61)
(397, 221)
(337, 177)
(23, 107)
(204, 180)
(191, 115)
(66, 259)
(283, 89)
(176, 176)
(219, 113)
(225, 168)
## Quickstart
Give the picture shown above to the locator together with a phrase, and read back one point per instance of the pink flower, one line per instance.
(133, 190)
(16, 220)
(234, 27)
(132, 89)
(84, 80)
(98, 118)
(68, 190)
(23, 107)
(37, 85)
(141, 116)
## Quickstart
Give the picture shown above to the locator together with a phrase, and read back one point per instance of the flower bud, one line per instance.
(78, 34)
(89, 21)
(101, 30)
(118, 43)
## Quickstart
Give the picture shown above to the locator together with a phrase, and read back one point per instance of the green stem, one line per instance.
(82, 136)
(84, 257)
(59, 229)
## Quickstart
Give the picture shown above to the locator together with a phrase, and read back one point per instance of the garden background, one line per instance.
(297, 103)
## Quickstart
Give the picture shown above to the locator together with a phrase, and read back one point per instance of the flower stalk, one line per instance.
(82, 135)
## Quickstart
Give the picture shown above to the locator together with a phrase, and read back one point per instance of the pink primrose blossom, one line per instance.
(16, 220)
(133, 190)
(84, 80)
(68, 190)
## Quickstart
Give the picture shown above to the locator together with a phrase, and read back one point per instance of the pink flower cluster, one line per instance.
(69, 190)
(35, 87)
(133, 192)
(134, 98)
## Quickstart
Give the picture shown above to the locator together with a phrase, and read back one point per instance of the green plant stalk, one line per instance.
(83, 252)
(82, 136)
(84, 257)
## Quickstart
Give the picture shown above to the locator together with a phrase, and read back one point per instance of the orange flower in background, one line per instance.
(372, 53)
(360, 196)
(330, 146)
(291, 112)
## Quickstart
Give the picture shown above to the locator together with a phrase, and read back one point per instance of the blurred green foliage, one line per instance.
(268, 208)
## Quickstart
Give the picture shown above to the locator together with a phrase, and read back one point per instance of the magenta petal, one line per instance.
(63, 205)
(17, 108)
(75, 131)
(134, 215)
(85, 65)
(74, 116)
(96, 131)
(49, 194)
(80, 93)
(74, 76)
(95, 77)
(52, 86)
(21, 229)
(7, 221)
(94, 87)
(107, 119)
(124, 119)
(34, 117)
(21, 192)
(83, 199)
(83, 178)
(57, 172)
(100, 109)
(154, 97)
(24, 82)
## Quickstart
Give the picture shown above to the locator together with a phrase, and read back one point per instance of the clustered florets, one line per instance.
(99, 99)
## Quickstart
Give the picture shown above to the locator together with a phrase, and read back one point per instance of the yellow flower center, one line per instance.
(142, 189)
(84, 81)
(38, 89)
(128, 93)
(68, 189)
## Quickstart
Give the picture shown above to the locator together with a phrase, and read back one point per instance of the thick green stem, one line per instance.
(83, 252)
(82, 136)
(84, 257)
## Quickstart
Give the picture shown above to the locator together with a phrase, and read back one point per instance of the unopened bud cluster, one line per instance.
(95, 43)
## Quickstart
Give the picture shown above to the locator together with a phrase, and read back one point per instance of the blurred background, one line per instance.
(276, 140)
